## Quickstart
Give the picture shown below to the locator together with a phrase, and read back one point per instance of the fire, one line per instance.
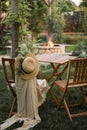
(50, 42)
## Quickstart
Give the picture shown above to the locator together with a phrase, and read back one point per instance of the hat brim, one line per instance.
(33, 73)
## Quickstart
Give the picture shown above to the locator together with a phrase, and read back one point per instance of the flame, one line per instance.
(50, 42)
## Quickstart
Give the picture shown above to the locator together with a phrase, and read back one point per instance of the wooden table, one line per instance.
(56, 60)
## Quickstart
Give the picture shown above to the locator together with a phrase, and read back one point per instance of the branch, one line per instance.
(47, 2)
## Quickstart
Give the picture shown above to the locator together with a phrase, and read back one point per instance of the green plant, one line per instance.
(27, 44)
(18, 21)
(85, 21)
(19, 17)
(38, 18)
(25, 48)
(2, 51)
(73, 39)
(82, 46)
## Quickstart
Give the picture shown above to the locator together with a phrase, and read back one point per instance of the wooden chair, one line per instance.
(76, 78)
(9, 72)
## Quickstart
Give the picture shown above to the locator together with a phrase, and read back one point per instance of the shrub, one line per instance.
(74, 39)
(82, 46)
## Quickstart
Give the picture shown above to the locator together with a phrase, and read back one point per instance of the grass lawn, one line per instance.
(52, 119)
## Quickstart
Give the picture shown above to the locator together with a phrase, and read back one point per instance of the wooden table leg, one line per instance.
(53, 73)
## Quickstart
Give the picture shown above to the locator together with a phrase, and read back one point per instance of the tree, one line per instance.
(15, 28)
(66, 5)
(38, 18)
(83, 7)
(85, 21)
(17, 17)
(4, 5)
(57, 21)
(83, 3)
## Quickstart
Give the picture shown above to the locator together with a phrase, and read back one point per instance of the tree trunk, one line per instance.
(15, 29)
(49, 3)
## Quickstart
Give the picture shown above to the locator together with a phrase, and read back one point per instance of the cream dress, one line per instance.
(30, 95)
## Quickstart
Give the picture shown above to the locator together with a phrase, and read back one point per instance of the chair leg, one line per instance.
(82, 91)
(12, 107)
(84, 96)
(53, 97)
(69, 94)
(62, 99)
(67, 109)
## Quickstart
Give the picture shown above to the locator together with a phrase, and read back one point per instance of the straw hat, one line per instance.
(30, 67)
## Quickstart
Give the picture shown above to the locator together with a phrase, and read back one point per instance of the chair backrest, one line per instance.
(77, 71)
(9, 71)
